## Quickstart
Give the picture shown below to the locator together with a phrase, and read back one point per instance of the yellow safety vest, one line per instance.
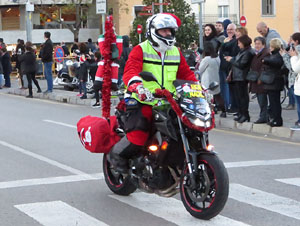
(165, 71)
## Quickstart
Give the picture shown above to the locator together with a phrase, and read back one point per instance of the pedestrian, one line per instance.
(83, 71)
(65, 48)
(6, 64)
(74, 46)
(268, 33)
(209, 72)
(295, 62)
(91, 46)
(97, 83)
(194, 55)
(124, 57)
(210, 35)
(272, 69)
(20, 49)
(1, 69)
(47, 58)
(220, 31)
(2, 44)
(28, 66)
(240, 31)
(294, 44)
(240, 68)
(228, 48)
(255, 86)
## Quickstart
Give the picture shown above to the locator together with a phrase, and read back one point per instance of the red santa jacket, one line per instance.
(134, 66)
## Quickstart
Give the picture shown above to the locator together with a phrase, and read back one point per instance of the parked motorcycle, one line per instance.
(67, 76)
(69, 82)
(179, 144)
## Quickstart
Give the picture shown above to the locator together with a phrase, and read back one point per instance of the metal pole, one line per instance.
(28, 26)
(161, 6)
(200, 27)
(103, 23)
(140, 38)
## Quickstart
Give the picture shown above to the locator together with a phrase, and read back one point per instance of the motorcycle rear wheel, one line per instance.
(211, 193)
(117, 182)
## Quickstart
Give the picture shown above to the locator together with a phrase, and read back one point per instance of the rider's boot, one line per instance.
(120, 154)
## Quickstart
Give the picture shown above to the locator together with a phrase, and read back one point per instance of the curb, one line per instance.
(282, 132)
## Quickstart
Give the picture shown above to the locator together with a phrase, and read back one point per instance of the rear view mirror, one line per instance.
(212, 86)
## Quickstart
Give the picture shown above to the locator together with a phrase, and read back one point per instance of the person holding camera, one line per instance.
(295, 64)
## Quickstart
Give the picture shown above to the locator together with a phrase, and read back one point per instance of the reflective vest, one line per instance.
(165, 71)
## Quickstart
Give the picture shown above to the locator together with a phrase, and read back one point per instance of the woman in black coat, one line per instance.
(256, 86)
(272, 68)
(28, 67)
(240, 68)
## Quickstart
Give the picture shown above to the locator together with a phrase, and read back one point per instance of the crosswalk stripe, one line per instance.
(262, 163)
(265, 200)
(50, 180)
(171, 209)
(58, 213)
(292, 181)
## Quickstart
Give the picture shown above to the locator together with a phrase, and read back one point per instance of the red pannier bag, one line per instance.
(96, 134)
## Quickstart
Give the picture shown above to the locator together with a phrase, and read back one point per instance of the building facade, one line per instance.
(13, 20)
(281, 15)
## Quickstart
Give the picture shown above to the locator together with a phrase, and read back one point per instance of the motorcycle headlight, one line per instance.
(199, 122)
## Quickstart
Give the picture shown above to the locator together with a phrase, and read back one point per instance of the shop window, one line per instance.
(268, 7)
(10, 18)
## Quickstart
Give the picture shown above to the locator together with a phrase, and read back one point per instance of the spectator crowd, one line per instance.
(244, 67)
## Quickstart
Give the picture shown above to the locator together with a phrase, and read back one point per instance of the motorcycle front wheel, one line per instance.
(209, 196)
(117, 182)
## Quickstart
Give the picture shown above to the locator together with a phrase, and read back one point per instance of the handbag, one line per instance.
(267, 78)
(252, 76)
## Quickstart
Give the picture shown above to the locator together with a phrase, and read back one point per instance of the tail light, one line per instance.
(164, 145)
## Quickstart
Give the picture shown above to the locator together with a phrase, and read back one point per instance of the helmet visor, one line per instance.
(166, 22)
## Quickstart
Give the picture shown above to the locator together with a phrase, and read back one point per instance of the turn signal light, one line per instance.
(164, 145)
(210, 147)
(153, 148)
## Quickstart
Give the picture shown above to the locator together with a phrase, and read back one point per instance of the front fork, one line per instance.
(190, 162)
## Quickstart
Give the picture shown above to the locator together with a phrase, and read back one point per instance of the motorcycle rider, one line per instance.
(159, 56)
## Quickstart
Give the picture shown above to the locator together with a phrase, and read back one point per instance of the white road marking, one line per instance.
(292, 181)
(58, 213)
(60, 123)
(44, 159)
(265, 200)
(262, 163)
(171, 209)
(49, 180)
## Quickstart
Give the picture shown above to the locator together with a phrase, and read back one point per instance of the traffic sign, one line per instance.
(139, 29)
(243, 21)
(59, 54)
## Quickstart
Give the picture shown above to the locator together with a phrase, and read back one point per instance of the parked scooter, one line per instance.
(64, 77)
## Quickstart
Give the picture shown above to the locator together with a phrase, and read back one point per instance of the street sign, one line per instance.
(243, 21)
(197, 1)
(100, 6)
(59, 54)
(139, 29)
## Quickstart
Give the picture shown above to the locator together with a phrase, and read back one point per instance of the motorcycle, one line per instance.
(64, 78)
(69, 80)
(178, 143)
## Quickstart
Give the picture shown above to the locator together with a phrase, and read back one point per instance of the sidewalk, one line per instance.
(289, 116)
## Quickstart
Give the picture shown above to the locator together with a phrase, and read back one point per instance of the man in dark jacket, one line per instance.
(124, 57)
(47, 59)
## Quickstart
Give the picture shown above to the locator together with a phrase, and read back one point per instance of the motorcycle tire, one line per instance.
(117, 182)
(214, 185)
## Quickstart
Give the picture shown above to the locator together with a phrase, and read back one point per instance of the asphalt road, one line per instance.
(47, 178)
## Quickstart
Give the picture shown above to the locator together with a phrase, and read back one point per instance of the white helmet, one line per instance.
(162, 21)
